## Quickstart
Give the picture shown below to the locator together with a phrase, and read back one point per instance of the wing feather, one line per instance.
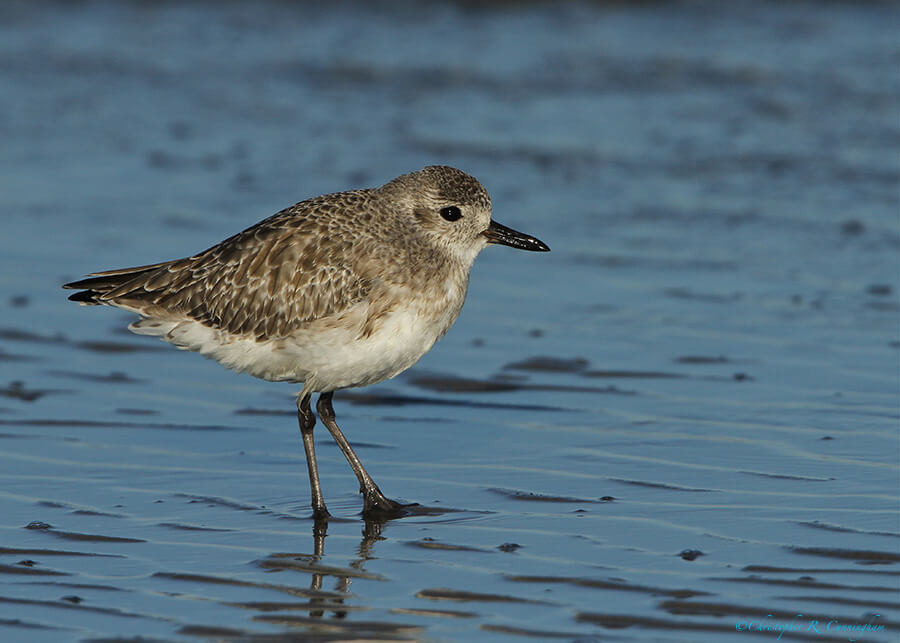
(266, 281)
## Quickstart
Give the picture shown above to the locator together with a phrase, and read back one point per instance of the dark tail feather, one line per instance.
(85, 297)
(98, 283)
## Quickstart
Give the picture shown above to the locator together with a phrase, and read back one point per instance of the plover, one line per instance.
(339, 291)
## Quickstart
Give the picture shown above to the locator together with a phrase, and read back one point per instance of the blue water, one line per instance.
(680, 422)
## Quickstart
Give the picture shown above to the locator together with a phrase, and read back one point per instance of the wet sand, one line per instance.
(680, 425)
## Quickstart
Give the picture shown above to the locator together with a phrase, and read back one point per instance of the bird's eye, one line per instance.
(451, 213)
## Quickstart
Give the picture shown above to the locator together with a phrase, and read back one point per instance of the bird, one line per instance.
(335, 292)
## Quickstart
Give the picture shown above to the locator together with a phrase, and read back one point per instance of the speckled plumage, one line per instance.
(338, 291)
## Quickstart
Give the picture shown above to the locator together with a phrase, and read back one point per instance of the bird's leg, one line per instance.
(307, 422)
(374, 502)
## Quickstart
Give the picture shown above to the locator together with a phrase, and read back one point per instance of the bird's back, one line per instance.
(265, 282)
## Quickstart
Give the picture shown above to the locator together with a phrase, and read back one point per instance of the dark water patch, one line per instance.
(92, 512)
(516, 494)
(463, 596)
(306, 563)
(374, 630)
(455, 516)
(433, 612)
(661, 485)
(654, 73)
(137, 411)
(622, 621)
(615, 585)
(17, 335)
(703, 608)
(164, 160)
(216, 632)
(545, 364)
(785, 476)
(94, 538)
(90, 586)
(879, 290)
(430, 543)
(21, 436)
(543, 157)
(855, 413)
(216, 501)
(254, 411)
(234, 582)
(117, 347)
(456, 384)
(706, 298)
(289, 517)
(418, 420)
(385, 399)
(184, 527)
(621, 374)
(816, 524)
(15, 622)
(52, 505)
(852, 227)
(307, 606)
(837, 600)
(28, 570)
(15, 357)
(17, 390)
(882, 306)
(564, 75)
(804, 582)
(30, 551)
(112, 611)
(113, 377)
(662, 264)
(768, 569)
(541, 634)
(702, 359)
(862, 556)
(78, 511)
(101, 424)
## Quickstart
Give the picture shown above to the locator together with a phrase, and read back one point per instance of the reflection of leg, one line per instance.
(320, 529)
(373, 500)
(307, 422)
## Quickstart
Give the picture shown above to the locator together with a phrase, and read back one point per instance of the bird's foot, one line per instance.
(379, 507)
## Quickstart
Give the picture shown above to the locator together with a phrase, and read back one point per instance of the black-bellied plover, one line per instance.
(339, 291)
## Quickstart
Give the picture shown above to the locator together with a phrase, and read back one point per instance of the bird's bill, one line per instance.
(504, 236)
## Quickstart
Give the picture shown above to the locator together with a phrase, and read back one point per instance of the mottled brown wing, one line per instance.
(265, 282)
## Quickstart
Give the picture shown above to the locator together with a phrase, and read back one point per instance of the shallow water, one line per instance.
(681, 421)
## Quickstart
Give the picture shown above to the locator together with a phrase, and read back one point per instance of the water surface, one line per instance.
(681, 422)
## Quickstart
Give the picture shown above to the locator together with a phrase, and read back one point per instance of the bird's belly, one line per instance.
(327, 355)
(339, 358)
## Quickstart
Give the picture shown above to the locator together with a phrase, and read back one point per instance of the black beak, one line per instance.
(502, 235)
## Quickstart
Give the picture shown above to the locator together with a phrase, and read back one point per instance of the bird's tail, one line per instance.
(98, 284)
